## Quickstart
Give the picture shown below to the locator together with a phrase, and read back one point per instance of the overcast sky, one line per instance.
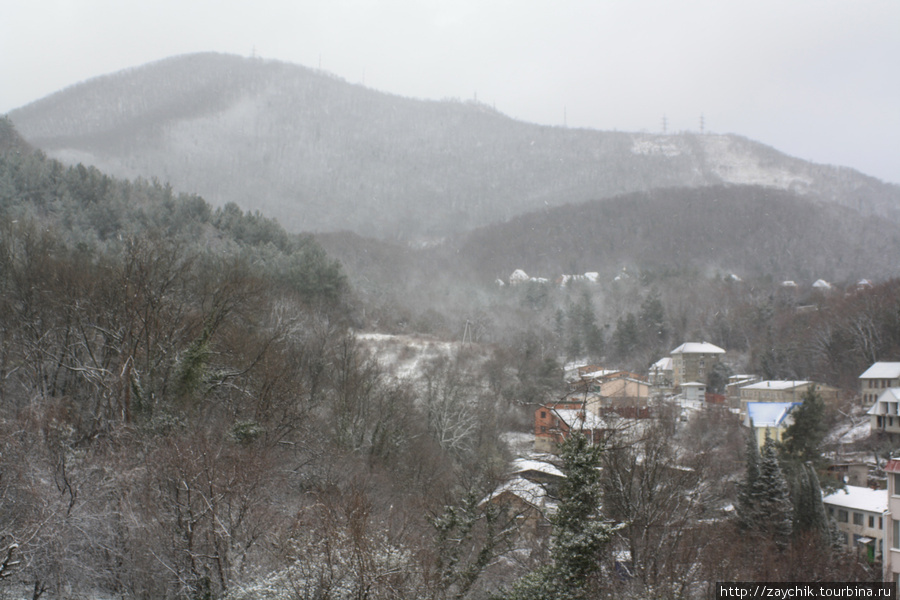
(817, 79)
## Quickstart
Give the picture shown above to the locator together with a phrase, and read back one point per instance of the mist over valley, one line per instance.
(269, 334)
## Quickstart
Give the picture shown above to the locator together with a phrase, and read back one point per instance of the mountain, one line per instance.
(669, 239)
(752, 231)
(320, 154)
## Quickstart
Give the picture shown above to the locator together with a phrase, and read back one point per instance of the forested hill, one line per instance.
(81, 211)
(320, 154)
(751, 231)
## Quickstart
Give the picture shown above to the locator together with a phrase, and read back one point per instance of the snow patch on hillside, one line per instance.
(658, 146)
(405, 357)
(734, 165)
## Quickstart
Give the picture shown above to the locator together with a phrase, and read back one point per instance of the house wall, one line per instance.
(626, 388)
(886, 417)
(776, 433)
(692, 366)
(892, 524)
(623, 396)
(870, 389)
(548, 429)
(794, 394)
(855, 524)
(885, 423)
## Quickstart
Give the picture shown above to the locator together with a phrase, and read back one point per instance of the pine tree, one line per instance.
(775, 507)
(748, 495)
(809, 510)
(803, 438)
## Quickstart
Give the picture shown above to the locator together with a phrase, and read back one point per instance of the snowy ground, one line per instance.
(405, 357)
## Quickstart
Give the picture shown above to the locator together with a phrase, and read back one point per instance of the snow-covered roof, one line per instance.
(774, 385)
(882, 370)
(859, 498)
(693, 384)
(518, 275)
(590, 277)
(788, 283)
(600, 373)
(769, 414)
(533, 493)
(888, 395)
(822, 284)
(697, 348)
(520, 465)
(663, 364)
(580, 419)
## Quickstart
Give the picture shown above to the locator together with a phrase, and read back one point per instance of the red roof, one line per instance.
(893, 466)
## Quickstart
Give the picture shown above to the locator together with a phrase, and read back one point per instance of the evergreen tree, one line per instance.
(626, 337)
(652, 320)
(803, 438)
(775, 507)
(809, 510)
(748, 496)
(591, 334)
(579, 533)
(718, 378)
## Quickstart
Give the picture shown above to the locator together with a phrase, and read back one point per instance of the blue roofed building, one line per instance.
(771, 417)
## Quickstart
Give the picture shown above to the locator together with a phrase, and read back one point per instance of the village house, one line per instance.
(620, 392)
(529, 494)
(538, 471)
(660, 374)
(784, 391)
(769, 418)
(692, 361)
(884, 415)
(850, 473)
(877, 378)
(860, 515)
(733, 388)
(527, 502)
(693, 392)
(554, 423)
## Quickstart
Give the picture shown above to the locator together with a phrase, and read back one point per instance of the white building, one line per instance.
(692, 361)
(877, 378)
(884, 416)
(891, 523)
(860, 516)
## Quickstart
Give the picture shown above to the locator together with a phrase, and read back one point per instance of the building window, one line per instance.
(843, 516)
(543, 414)
(857, 518)
(871, 522)
(895, 542)
(895, 479)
